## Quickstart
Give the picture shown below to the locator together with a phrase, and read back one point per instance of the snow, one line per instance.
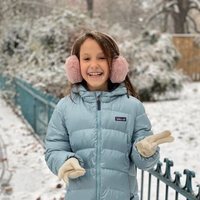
(31, 179)
(41, 47)
(182, 118)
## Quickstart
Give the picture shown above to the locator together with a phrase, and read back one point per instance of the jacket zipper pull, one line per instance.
(98, 103)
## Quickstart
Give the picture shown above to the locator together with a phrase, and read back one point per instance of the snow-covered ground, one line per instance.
(32, 180)
(182, 118)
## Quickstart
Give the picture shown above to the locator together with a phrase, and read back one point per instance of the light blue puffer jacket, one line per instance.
(99, 129)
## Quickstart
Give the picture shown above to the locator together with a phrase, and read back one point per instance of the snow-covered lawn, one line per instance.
(31, 179)
(182, 118)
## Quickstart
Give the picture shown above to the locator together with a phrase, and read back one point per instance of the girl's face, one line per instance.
(94, 65)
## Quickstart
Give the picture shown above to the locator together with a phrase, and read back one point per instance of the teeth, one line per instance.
(95, 73)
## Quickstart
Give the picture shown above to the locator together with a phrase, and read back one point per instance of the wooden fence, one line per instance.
(189, 47)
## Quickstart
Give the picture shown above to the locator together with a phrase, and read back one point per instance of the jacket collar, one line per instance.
(105, 96)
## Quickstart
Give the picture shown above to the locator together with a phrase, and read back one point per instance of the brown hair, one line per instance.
(110, 49)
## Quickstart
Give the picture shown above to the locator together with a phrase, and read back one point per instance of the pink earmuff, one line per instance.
(118, 72)
(72, 69)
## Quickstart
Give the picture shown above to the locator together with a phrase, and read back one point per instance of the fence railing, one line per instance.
(37, 108)
(152, 187)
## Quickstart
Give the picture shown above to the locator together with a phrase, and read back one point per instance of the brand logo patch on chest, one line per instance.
(121, 119)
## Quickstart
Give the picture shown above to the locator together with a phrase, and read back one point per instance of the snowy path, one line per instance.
(32, 179)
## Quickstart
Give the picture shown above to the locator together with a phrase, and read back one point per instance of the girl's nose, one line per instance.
(93, 63)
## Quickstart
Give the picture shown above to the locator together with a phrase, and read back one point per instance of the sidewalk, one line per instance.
(31, 179)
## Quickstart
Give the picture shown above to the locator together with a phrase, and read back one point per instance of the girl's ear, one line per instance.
(72, 69)
(119, 70)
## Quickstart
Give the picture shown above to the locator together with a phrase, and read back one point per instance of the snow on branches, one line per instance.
(154, 73)
(37, 51)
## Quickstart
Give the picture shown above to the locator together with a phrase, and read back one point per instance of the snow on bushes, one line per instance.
(37, 51)
(154, 73)
(46, 45)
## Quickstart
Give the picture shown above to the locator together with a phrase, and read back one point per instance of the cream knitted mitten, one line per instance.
(147, 146)
(70, 169)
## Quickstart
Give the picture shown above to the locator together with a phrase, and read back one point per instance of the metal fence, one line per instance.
(157, 184)
(37, 108)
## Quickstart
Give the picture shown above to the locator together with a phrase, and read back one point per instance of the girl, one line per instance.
(99, 133)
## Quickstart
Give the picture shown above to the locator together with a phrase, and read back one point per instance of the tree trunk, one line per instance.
(179, 23)
(180, 17)
(90, 7)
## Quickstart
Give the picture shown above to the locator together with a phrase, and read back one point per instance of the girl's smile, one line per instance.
(94, 65)
(95, 74)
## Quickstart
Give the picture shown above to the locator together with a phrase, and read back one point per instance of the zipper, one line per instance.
(98, 103)
(98, 146)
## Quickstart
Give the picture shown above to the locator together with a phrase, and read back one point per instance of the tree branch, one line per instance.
(195, 3)
(195, 8)
(169, 4)
(152, 17)
(187, 26)
(165, 22)
(28, 2)
(165, 7)
(189, 18)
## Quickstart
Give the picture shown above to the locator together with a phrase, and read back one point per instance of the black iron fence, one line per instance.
(158, 184)
(154, 184)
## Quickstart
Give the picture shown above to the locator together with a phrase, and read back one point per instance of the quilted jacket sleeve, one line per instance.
(57, 143)
(142, 129)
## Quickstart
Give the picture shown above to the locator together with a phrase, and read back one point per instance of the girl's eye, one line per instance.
(86, 59)
(102, 58)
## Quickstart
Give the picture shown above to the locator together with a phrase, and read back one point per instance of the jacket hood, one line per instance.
(106, 96)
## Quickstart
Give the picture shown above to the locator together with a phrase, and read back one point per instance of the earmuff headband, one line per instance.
(118, 74)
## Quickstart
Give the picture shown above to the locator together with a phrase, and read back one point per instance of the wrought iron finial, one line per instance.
(188, 183)
(186, 189)
(198, 194)
(167, 173)
(159, 168)
(177, 179)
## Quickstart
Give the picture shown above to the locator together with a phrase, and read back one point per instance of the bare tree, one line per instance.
(179, 12)
(90, 7)
(27, 9)
(128, 14)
